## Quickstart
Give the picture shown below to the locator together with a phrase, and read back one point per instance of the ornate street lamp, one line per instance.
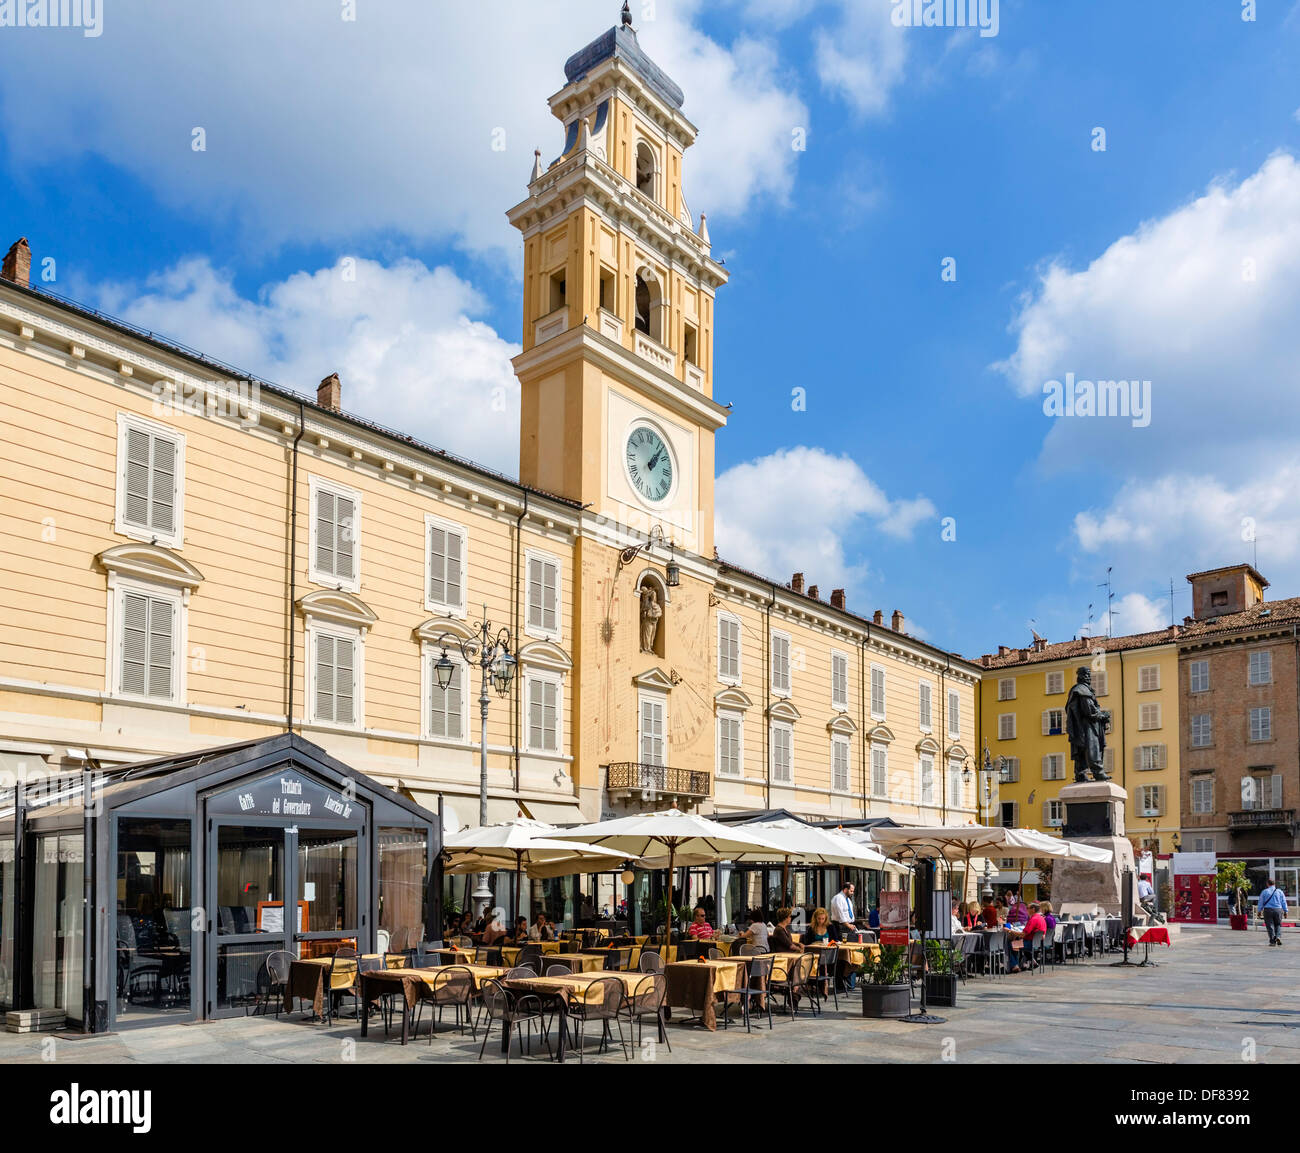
(491, 652)
(672, 569)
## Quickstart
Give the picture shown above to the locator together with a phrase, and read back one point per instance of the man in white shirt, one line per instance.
(842, 910)
(1146, 896)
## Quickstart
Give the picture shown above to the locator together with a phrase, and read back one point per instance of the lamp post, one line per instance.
(986, 772)
(492, 655)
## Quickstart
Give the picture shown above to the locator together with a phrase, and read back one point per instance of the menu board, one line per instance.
(893, 917)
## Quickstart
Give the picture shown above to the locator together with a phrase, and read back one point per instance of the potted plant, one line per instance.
(941, 972)
(886, 987)
(1233, 881)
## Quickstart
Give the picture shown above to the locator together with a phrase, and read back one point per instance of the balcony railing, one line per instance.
(658, 780)
(1249, 819)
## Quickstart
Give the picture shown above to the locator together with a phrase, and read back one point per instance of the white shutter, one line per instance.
(1275, 793)
(1047, 814)
(926, 692)
(326, 531)
(550, 716)
(728, 649)
(839, 765)
(879, 771)
(163, 486)
(535, 706)
(877, 692)
(652, 732)
(160, 648)
(1047, 721)
(135, 643)
(780, 664)
(137, 477)
(839, 681)
(437, 564)
(324, 677)
(535, 593)
(446, 704)
(550, 597)
(345, 538)
(954, 715)
(344, 681)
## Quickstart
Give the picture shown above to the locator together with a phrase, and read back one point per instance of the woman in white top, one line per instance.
(757, 933)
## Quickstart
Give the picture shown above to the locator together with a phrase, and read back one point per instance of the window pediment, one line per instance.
(435, 627)
(957, 752)
(545, 655)
(783, 711)
(841, 724)
(928, 745)
(654, 679)
(881, 734)
(731, 698)
(337, 607)
(152, 563)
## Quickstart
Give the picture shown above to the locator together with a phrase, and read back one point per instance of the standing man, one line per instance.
(842, 911)
(1272, 904)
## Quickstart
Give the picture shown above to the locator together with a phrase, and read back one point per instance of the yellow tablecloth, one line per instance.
(781, 964)
(479, 973)
(579, 986)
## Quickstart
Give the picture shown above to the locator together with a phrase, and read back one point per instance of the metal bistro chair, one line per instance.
(651, 961)
(758, 984)
(647, 1000)
(277, 978)
(452, 986)
(823, 984)
(618, 959)
(520, 972)
(970, 951)
(995, 952)
(1036, 948)
(342, 980)
(530, 955)
(715, 954)
(602, 1001)
(512, 1011)
(789, 987)
(558, 971)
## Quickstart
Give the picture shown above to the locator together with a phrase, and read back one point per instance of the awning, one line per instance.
(553, 813)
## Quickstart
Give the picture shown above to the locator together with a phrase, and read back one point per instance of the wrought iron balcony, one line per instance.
(657, 780)
(1248, 819)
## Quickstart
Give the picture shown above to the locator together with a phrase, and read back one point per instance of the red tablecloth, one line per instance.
(1151, 935)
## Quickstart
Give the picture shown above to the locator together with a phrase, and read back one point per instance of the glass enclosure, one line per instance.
(57, 925)
(250, 876)
(154, 920)
(403, 875)
(327, 879)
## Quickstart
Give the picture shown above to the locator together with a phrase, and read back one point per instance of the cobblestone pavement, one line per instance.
(1216, 996)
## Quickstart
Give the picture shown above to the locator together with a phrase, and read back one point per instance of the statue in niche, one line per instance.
(651, 613)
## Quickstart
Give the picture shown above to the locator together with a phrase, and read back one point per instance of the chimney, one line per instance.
(18, 263)
(896, 621)
(877, 618)
(796, 582)
(329, 393)
(1003, 650)
(813, 592)
(837, 598)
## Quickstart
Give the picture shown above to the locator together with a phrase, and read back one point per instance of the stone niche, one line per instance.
(1094, 814)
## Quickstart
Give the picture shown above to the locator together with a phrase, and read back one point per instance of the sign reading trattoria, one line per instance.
(290, 795)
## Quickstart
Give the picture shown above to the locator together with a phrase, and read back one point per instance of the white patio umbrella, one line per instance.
(515, 844)
(686, 837)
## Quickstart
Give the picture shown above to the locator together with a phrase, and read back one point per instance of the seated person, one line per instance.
(521, 930)
(780, 939)
(699, 929)
(541, 930)
(1018, 959)
(819, 928)
(495, 931)
(974, 916)
(873, 918)
(992, 914)
(957, 927)
(757, 934)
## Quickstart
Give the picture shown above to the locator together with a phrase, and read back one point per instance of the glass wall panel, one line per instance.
(241, 974)
(250, 872)
(327, 879)
(57, 932)
(403, 882)
(153, 917)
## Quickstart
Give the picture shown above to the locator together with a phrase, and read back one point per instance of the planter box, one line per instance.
(886, 1000)
(941, 989)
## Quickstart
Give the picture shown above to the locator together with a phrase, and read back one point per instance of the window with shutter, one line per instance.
(780, 648)
(1261, 668)
(1202, 730)
(446, 711)
(1007, 727)
(877, 693)
(543, 595)
(147, 644)
(1202, 794)
(652, 731)
(1007, 689)
(1100, 682)
(840, 764)
(729, 745)
(543, 697)
(1149, 717)
(1261, 724)
(926, 692)
(839, 681)
(927, 780)
(335, 530)
(1199, 676)
(954, 715)
(1148, 678)
(879, 771)
(334, 669)
(782, 753)
(445, 563)
(1055, 683)
(1010, 771)
(954, 785)
(149, 480)
(728, 649)
(1053, 722)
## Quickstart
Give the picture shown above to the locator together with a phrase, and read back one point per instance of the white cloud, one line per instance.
(319, 128)
(1201, 303)
(863, 58)
(402, 338)
(1134, 613)
(795, 510)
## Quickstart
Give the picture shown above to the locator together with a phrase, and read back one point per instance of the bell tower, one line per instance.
(616, 372)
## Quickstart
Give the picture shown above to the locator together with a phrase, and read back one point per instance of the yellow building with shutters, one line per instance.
(1022, 719)
(193, 558)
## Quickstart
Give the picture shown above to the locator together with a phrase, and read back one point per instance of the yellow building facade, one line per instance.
(1022, 719)
(193, 558)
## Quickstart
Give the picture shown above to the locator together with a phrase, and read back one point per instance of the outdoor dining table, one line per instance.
(850, 956)
(559, 990)
(307, 977)
(375, 983)
(1146, 936)
(695, 985)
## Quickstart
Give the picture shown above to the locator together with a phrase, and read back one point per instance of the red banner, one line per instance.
(893, 936)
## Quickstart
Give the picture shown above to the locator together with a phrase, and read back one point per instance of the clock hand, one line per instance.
(654, 460)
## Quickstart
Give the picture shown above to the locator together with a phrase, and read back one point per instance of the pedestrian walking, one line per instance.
(1272, 904)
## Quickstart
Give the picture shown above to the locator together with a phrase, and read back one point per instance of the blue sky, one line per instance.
(1173, 256)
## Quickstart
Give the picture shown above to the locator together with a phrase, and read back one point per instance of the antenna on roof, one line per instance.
(1110, 606)
(1171, 603)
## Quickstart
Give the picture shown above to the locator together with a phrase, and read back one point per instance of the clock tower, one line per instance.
(618, 414)
(619, 281)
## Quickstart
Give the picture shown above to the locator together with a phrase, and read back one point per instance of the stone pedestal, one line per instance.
(1094, 814)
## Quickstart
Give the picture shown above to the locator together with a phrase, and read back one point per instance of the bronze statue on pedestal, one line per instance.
(1085, 726)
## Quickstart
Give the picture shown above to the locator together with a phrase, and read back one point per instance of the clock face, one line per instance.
(649, 464)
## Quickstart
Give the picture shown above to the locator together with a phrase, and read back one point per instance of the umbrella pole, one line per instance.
(668, 915)
(519, 859)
